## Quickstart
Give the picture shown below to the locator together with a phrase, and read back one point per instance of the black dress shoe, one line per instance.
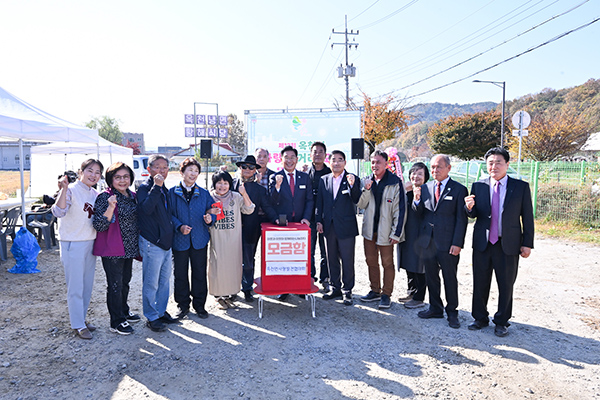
(282, 297)
(453, 321)
(477, 325)
(336, 294)
(427, 314)
(167, 319)
(202, 314)
(501, 330)
(157, 325)
(248, 296)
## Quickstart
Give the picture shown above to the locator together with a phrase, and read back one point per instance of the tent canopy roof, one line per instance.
(103, 147)
(21, 120)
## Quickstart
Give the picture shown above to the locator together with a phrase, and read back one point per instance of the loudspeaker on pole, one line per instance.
(206, 148)
(358, 149)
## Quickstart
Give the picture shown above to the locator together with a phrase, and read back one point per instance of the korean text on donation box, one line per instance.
(286, 252)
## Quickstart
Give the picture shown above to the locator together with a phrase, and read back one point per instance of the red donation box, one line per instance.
(285, 266)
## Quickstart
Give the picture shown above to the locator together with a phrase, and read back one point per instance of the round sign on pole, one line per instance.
(521, 119)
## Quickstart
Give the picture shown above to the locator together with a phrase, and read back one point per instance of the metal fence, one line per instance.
(561, 191)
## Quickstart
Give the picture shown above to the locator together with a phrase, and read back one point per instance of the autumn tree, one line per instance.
(108, 128)
(135, 147)
(238, 138)
(552, 135)
(467, 136)
(382, 119)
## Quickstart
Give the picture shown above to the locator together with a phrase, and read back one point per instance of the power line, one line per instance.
(430, 39)
(315, 71)
(388, 16)
(508, 59)
(494, 24)
(494, 47)
(327, 79)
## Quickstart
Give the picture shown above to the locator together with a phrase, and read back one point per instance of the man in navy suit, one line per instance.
(441, 237)
(336, 219)
(291, 192)
(504, 230)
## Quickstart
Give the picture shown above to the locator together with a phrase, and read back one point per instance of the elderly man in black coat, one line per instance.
(251, 229)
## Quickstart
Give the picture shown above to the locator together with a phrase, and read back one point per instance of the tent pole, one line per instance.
(21, 168)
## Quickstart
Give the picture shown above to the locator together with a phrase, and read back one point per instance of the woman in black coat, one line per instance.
(408, 253)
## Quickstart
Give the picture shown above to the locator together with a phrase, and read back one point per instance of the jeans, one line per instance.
(118, 276)
(156, 275)
(199, 287)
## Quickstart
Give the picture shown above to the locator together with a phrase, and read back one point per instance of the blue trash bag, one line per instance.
(25, 249)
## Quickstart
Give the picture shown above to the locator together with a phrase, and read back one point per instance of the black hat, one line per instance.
(248, 160)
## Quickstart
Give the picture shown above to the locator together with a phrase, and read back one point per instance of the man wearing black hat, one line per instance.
(251, 229)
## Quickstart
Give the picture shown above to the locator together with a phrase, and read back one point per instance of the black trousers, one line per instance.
(494, 260)
(248, 256)
(435, 261)
(417, 285)
(341, 274)
(323, 270)
(118, 276)
(196, 258)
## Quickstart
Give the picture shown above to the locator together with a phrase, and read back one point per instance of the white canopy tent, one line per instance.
(22, 121)
(50, 160)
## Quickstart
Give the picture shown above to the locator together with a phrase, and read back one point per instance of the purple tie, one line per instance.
(495, 214)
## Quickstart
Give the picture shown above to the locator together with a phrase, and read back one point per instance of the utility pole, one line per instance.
(349, 70)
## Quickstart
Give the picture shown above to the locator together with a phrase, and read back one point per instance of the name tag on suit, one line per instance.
(345, 191)
(448, 198)
(301, 186)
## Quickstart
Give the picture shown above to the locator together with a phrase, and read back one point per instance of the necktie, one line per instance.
(495, 214)
(292, 184)
(438, 192)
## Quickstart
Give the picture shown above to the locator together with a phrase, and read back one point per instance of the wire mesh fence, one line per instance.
(561, 191)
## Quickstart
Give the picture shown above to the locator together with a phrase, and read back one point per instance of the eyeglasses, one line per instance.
(121, 177)
(245, 166)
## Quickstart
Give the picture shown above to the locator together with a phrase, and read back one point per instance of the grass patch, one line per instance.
(10, 181)
(568, 230)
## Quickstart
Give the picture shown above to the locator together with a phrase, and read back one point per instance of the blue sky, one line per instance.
(145, 63)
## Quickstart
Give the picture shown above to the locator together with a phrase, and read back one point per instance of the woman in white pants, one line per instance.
(74, 208)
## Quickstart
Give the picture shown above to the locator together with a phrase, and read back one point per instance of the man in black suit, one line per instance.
(504, 229)
(291, 192)
(336, 219)
(441, 237)
(318, 169)
(251, 229)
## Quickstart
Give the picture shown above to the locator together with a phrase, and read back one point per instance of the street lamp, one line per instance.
(503, 86)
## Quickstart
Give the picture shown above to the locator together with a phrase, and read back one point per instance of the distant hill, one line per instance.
(433, 112)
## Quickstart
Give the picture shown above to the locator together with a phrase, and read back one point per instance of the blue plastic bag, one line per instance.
(25, 249)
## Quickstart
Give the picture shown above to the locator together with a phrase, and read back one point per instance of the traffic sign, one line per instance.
(524, 132)
(521, 119)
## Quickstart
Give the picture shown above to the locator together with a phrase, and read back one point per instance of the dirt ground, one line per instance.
(358, 352)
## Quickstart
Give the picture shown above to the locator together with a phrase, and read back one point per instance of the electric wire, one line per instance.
(507, 60)
(494, 47)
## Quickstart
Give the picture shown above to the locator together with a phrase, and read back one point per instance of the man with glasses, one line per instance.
(251, 229)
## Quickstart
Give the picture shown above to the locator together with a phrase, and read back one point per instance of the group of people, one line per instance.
(169, 230)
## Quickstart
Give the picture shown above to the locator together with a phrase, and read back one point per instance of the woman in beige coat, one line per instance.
(225, 264)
